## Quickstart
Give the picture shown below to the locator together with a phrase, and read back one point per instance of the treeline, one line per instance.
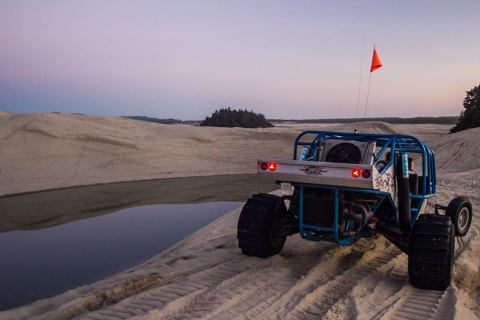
(227, 117)
(156, 120)
(249, 119)
(414, 120)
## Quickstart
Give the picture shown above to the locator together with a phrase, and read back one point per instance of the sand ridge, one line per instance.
(42, 151)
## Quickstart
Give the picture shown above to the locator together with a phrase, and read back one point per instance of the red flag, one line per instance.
(376, 62)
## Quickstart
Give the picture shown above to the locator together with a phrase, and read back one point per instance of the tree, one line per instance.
(227, 117)
(470, 117)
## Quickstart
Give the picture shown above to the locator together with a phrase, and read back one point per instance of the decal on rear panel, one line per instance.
(314, 170)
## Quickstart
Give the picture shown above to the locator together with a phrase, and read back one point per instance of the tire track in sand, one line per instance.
(316, 304)
(256, 290)
(417, 304)
(161, 296)
(411, 303)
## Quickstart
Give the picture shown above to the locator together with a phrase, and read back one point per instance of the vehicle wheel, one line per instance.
(261, 230)
(431, 252)
(460, 211)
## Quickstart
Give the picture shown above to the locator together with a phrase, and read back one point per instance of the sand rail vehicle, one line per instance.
(347, 186)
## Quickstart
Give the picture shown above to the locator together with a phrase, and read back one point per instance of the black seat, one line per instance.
(413, 182)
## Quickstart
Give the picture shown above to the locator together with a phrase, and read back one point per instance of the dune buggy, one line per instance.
(348, 186)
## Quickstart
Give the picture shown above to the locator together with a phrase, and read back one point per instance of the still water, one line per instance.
(37, 264)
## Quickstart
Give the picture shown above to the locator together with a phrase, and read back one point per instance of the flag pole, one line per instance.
(368, 90)
(368, 93)
(360, 79)
(376, 63)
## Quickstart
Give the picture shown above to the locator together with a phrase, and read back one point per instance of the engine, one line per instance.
(355, 214)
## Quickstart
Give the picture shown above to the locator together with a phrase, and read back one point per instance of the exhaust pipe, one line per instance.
(404, 210)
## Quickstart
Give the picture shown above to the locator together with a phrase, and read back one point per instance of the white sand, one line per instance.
(42, 151)
(205, 276)
(54, 150)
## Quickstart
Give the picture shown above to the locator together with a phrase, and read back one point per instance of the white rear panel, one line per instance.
(325, 173)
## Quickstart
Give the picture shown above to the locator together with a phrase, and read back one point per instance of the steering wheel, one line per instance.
(344, 153)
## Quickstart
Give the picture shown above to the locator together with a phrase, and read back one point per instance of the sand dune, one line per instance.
(43, 151)
(54, 150)
(205, 276)
(458, 152)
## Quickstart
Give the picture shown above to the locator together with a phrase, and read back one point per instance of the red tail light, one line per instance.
(366, 174)
(272, 166)
(264, 166)
(356, 173)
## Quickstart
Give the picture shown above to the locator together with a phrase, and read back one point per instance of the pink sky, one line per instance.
(286, 59)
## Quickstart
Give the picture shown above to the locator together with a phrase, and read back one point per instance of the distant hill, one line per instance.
(414, 120)
(156, 120)
(227, 117)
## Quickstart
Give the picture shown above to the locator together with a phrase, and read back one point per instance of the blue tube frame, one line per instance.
(397, 144)
(307, 231)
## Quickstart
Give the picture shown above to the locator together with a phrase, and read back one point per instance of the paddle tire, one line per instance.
(460, 211)
(431, 252)
(261, 231)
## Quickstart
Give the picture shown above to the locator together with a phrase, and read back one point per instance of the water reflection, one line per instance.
(55, 240)
(49, 208)
(41, 263)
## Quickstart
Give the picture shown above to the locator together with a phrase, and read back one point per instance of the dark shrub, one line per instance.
(227, 117)
(470, 117)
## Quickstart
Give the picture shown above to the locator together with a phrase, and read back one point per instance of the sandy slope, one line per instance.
(42, 151)
(53, 150)
(205, 276)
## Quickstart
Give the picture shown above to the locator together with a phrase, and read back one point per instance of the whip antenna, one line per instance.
(360, 79)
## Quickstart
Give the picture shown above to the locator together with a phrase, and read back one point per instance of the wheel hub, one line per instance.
(463, 218)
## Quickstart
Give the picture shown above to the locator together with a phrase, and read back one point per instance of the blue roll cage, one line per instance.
(398, 144)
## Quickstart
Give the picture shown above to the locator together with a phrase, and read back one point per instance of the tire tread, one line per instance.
(255, 222)
(431, 252)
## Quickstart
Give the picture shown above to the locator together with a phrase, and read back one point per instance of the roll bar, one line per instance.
(397, 144)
